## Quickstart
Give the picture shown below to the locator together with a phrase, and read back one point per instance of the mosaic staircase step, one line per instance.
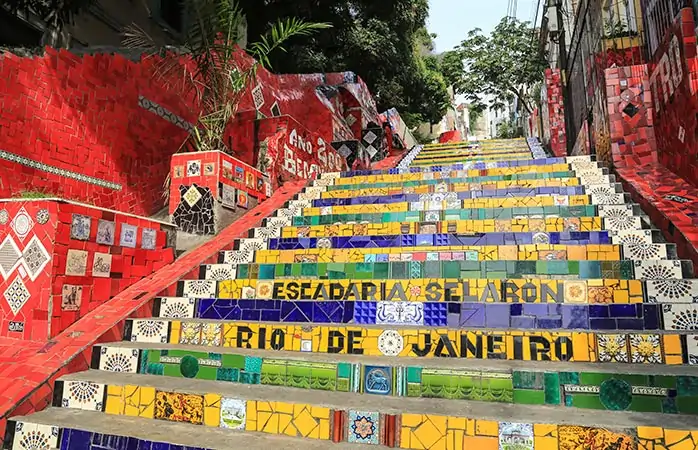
(644, 238)
(479, 170)
(76, 429)
(616, 217)
(604, 195)
(409, 342)
(582, 163)
(494, 202)
(523, 225)
(521, 178)
(671, 390)
(532, 252)
(625, 270)
(452, 314)
(337, 415)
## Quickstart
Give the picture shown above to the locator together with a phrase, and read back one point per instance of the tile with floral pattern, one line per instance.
(612, 347)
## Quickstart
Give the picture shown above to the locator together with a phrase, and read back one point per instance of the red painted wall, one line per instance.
(50, 245)
(556, 112)
(81, 114)
(673, 80)
(450, 136)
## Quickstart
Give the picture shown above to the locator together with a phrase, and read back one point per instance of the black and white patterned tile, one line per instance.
(118, 359)
(671, 290)
(10, 256)
(220, 272)
(175, 307)
(658, 269)
(84, 395)
(631, 237)
(147, 330)
(35, 257)
(680, 316)
(30, 436)
(198, 288)
(644, 251)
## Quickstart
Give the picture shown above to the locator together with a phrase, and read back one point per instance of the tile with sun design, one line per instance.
(152, 331)
(199, 288)
(176, 307)
(612, 348)
(83, 395)
(220, 272)
(672, 290)
(34, 436)
(680, 316)
(118, 359)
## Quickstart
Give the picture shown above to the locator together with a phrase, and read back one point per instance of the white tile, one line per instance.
(118, 359)
(83, 395)
(631, 237)
(199, 289)
(177, 307)
(30, 436)
(657, 269)
(680, 316)
(672, 291)
(221, 272)
(148, 330)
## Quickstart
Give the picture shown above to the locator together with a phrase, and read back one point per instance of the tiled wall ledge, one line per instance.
(60, 259)
(70, 351)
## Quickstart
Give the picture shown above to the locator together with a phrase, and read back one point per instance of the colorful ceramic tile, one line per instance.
(645, 349)
(177, 307)
(575, 291)
(612, 348)
(33, 436)
(153, 331)
(363, 427)
(71, 297)
(35, 257)
(129, 234)
(76, 263)
(101, 265)
(179, 407)
(194, 168)
(378, 380)
(228, 196)
(105, 232)
(119, 359)
(83, 395)
(178, 172)
(199, 288)
(680, 316)
(243, 201)
(233, 413)
(390, 343)
(148, 239)
(209, 169)
(400, 313)
(10, 257)
(22, 224)
(220, 272)
(672, 290)
(515, 436)
(80, 227)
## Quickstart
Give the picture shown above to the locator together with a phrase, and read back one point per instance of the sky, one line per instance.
(452, 19)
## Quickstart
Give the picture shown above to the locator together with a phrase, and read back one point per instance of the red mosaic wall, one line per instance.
(81, 114)
(450, 136)
(630, 109)
(673, 80)
(288, 151)
(556, 112)
(61, 260)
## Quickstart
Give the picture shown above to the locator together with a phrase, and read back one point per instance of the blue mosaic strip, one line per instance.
(537, 149)
(58, 171)
(529, 316)
(480, 165)
(72, 439)
(463, 195)
(444, 239)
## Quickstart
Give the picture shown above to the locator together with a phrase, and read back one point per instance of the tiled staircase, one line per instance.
(481, 298)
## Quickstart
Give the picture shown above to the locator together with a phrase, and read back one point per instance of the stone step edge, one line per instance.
(485, 365)
(499, 412)
(175, 433)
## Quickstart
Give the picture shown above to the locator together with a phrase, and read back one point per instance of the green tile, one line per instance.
(687, 405)
(233, 361)
(452, 269)
(344, 370)
(587, 401)
(552, 388)
(529, 397)
(308, 270)
(414, 374)
(686, 386)
(527, 380)
(646, 403)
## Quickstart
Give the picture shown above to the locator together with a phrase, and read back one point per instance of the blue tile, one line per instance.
(535, 309)
(603, 324)
(631, 324)
(621, 310)
(598, 311)
(516, 309)
(651, 316)
(549, 323)
(526, 322)
(575, 317)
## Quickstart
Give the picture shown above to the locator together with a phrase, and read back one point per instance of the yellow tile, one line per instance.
(305, 422)
(263, 418)
(650, 432)
(454, 440)
(541, 429)
(282, 407)
(175, 329)
(284, 421)
(115, 400)
(321, 412)
(545, 443)
(405, 434)
(324, 430)
(132, 400)
(480, 443)
(147, 402)
(486, 428)
(212, 410)
(672, 437)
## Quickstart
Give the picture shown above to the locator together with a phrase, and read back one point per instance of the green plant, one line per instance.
(35, 194)
(215, 75)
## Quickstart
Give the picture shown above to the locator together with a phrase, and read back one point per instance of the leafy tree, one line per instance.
(499, 65)
(383, 42)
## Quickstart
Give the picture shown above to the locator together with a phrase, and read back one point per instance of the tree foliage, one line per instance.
(383, 42)
(492, 70)
(56, 14)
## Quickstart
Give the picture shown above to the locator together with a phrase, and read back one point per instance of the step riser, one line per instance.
(674, 395)
(622, 270)
(670, 349)
(454, 315)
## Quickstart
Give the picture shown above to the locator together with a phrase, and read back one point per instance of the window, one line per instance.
(171, 12)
